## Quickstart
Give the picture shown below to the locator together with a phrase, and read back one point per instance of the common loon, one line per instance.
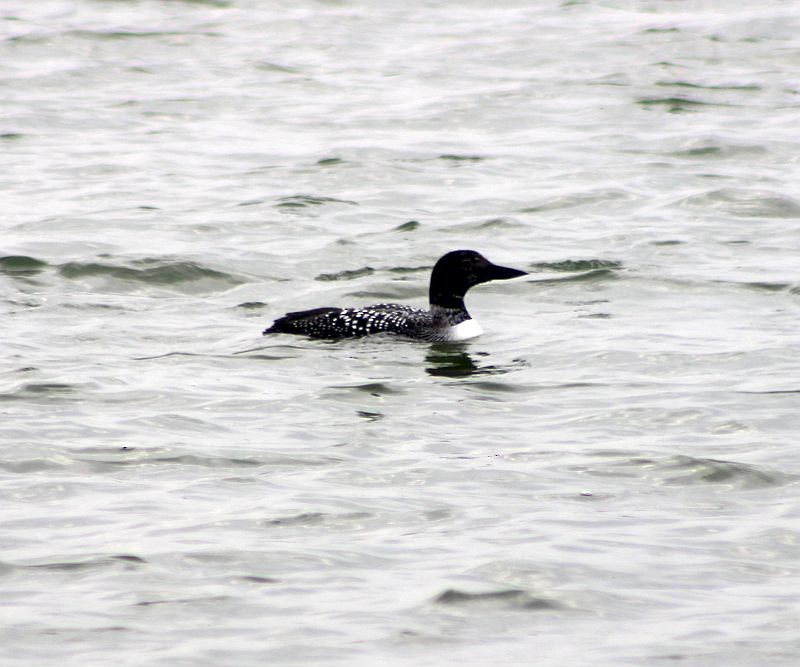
(447, 319)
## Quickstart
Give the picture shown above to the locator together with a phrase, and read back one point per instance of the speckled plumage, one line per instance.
(452, 276)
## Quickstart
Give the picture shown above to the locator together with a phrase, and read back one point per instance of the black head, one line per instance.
(459, 270)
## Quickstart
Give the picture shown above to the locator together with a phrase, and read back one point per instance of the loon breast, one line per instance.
(464, 330)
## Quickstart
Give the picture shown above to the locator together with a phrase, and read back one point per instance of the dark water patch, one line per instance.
(390, 294)
(330, 161)
(745, 203)
(307, 518)
(501, 387)
(514, 598)
(371, 388)
(675, 104)
(11, 136)
(659, 31)
(192, 460)
(410, 269)
(452, 157)
(203, 461)
(251, 305)
(267, 66)
(28, 466)
(42, 391)
(773, 391)
(153, 271)
(128, 561)
(187, 354)
(668, 64)
(21, 265)
(410, 226)
(346, 275)
(762, 286)
(304, 201)
(700, 86)
(370, 416)
(716, 150)
(133, 34)
(254, 579)
(668, 242)
(576, 200)
(270, 357)
(212, 600)
(598, 275)
(492, 224)
(685, 470)
(698, 152)
(317, 519)
(574, 265)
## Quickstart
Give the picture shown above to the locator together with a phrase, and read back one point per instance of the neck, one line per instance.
(452, 301)
(449, 314)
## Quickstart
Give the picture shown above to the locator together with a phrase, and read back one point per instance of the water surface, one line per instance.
(608, 476)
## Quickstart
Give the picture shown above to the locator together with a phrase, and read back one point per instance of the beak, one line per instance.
(504, 273)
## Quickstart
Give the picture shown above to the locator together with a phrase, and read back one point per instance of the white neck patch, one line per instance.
(465, 330)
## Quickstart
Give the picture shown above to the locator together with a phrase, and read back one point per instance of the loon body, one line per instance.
(447, 319)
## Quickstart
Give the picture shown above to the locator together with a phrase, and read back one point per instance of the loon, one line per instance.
(446, 321)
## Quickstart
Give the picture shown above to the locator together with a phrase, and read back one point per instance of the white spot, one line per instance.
(465, 330)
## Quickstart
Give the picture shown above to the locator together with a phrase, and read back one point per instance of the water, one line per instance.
(608, 476)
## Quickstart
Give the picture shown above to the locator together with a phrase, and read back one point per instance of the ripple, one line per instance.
(346, 275)
(371, 388)
(714, 149)
(691, 470)
(127, 560)
(492, 224)
(577, 199)
(187, 276)
(304, 201)
(745, 203)
(132, 457)
(573, 265)
(452, 157)
(251, 305)
(319, 519)
(597, 275)
(762, 286)
(46, 391)
(684, 470)
(515, 598)
(370, 416)
(676, 104)
(21, 265)
(410, 226)
(687, 84)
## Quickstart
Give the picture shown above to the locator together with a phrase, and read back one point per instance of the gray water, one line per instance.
(609, 476)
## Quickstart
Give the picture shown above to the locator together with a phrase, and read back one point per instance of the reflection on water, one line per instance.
(452, 360)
